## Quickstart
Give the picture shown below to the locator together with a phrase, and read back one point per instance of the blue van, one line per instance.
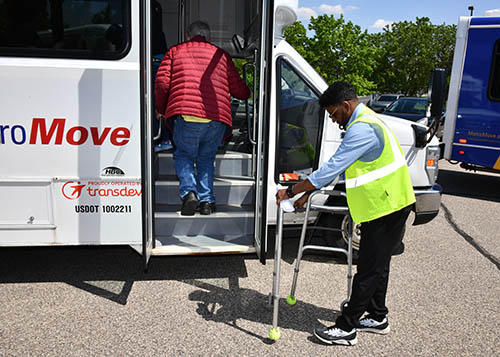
(472, 124)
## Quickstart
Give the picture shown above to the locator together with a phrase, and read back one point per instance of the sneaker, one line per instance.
(164, 146)
(370, 325)
(336, 336)
(189, 204)
(207, 208)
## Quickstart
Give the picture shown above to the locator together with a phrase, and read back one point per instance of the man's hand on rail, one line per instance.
(302, 186)
(281, 196)
(302, 200)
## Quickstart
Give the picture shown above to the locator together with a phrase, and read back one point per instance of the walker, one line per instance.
(274, 333)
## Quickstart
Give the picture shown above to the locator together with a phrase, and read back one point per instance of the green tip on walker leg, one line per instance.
(274, 334)
(291, 300)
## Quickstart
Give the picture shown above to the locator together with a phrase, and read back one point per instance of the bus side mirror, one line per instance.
(437, 92)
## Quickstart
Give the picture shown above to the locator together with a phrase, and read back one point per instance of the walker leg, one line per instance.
(291, 299)
(274, 333)
(349, 264)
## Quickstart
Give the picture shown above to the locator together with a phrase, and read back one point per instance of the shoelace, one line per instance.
(370, 322)
(335, 331)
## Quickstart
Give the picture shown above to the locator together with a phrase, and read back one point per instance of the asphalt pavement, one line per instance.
(444, 294)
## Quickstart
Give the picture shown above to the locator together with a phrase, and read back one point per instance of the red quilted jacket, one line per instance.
(196, 78)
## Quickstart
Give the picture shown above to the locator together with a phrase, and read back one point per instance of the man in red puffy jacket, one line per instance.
(193, 86)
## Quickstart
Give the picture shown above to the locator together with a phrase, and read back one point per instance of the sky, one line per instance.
(373, 15)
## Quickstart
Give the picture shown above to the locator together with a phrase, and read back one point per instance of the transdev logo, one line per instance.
(72, 190)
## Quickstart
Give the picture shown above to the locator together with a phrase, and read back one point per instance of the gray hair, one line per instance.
(199, 28)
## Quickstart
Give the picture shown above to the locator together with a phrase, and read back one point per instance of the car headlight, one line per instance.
(431, 162)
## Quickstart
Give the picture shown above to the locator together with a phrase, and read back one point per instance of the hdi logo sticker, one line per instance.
(112, 171)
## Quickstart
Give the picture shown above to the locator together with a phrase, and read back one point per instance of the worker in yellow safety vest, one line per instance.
(379, 195)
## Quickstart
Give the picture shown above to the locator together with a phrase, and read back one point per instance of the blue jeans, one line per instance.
(197, 143)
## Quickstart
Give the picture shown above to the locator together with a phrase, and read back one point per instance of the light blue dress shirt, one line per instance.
(362, 141)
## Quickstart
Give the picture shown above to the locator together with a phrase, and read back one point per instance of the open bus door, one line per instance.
(265, 61)
(240, 223)
(146, 133)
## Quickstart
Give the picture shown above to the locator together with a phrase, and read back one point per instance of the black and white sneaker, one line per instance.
(370, 325)
(336, 336)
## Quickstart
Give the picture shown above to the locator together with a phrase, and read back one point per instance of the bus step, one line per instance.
(202, 244)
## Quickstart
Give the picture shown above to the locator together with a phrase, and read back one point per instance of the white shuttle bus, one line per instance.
(76, 127)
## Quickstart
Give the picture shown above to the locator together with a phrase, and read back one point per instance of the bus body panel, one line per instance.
(70, 150)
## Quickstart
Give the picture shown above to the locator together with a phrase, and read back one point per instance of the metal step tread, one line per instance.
(226, 155)
(223, 211)
(171, 180)
(200, 244)
(180, 250)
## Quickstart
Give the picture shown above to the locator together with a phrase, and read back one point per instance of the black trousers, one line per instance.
(379, 239)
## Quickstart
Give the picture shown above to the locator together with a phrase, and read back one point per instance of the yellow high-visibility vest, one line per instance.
(377, 188)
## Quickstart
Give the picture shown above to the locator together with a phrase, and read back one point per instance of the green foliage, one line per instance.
(398, 59)
(239, 62)
(410, 50)
(295, 35)
(339, 50)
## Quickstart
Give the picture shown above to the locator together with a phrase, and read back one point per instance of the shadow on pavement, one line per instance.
(234, 303)
(110, 272)
(228, 306)
(469, 184)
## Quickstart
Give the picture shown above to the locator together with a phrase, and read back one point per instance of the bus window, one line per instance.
(299, 128)
(91, 29)
(494, 85)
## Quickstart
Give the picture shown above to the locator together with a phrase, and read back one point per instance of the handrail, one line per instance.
(247, 111)
(160, 119)
(253, 140)
(251, 125)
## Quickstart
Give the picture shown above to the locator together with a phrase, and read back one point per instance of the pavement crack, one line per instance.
(469, 239)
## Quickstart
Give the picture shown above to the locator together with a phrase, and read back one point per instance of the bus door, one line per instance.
(147, 110)
(244, 30)
(263, 102)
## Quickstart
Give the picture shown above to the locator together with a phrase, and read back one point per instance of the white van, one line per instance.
(77, 166)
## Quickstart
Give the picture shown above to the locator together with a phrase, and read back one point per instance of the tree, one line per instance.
(295, 35)
(339, 50)
(409, 51)
(399, 59)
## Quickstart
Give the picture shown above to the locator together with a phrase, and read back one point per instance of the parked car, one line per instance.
(411, 108)
(382, 102)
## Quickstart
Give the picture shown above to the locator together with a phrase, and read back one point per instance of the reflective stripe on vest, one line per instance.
(399, 161)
